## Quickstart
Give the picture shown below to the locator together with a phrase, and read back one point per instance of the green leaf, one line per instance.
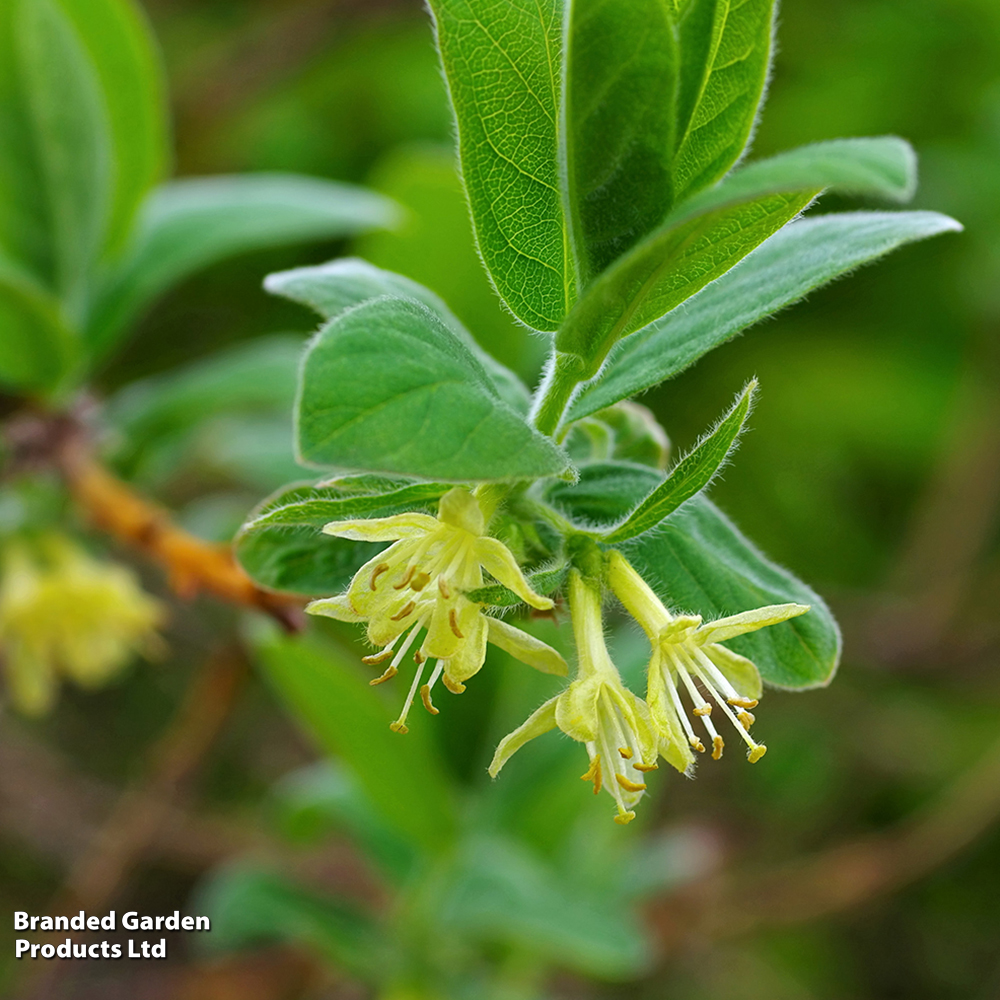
(725, 48)
(388, 387)
(800, 258)
(248, 907)
(315, 800)
(121, 47)
(699, 561)
(434, 246)
(401, 775)
(707, 235)
(500, 892)
(36, 346)
(187, 225)
(605, 492)
(503, 64)
(666, 268)
(70, 133)
(879, 167)
(621, 77)
(337, 286)
(281, 545)
(691, 474)
(543, 582)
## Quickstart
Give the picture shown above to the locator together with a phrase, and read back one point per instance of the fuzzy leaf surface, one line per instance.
(503, 65)
(387, 387)
(621, 80)
(802, 257)
(698, 561)
(707, 235)
(281, 545)
(691, 474)
(337, 286)
(725, 48)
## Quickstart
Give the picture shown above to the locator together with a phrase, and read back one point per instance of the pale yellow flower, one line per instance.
(64, 613)
(689, 664)
(420, 583)
(598, 711)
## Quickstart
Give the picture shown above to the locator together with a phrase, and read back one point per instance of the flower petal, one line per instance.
(538, 723)
(338, 607)
(498, 561)
(576, 709)
(526, 648)
(470, 655)
(738, 670)
(749, 621)
(384, 529)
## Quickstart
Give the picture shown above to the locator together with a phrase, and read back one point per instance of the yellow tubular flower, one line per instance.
(420, 584)
(71, 615)
(689, 664)
(598, 711)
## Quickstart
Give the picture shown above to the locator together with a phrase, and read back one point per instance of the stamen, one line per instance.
(376, 658)
(399, 726)
(418, 657)
(425, 691)
(629, 786)
(747, 718)
(420, 581)
(625, 817)
(744, 702)
(453, 622)
(594, 773)
(455, 687)
(377, 572)
(425, 697)
(444, 588)
(625, 752)
(646, 767)
(717, 746)
(719, 679)
(675, 700)
(745, 736)
(391, 672)
(700, 705)
(403, 612)
(407, 576)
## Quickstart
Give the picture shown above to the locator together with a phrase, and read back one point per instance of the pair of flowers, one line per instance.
(419, 585)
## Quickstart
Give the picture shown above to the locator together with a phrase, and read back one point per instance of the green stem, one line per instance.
(555, 392)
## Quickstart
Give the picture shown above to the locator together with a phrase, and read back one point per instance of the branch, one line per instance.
(192, 564)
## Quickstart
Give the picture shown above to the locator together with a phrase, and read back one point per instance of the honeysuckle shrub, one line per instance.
(602, 151)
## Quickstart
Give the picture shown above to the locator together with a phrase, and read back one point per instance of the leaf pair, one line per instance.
(581, 123)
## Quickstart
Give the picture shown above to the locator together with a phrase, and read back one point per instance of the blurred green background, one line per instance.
(872, 471)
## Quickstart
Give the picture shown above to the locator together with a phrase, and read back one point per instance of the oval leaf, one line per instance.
(387, 387)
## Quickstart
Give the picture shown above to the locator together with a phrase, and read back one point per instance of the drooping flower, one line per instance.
(598, 711)
(419, 584)
(689, 664)
(62, 612)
